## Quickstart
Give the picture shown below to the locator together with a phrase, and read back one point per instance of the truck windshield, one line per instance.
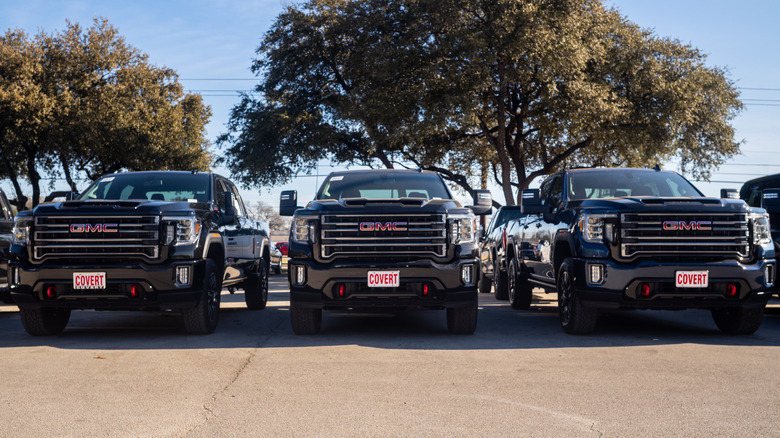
(384, 185)
(163, 186)
(589, 184)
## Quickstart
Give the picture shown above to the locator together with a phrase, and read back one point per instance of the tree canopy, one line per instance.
(514, 89)
(82, 103)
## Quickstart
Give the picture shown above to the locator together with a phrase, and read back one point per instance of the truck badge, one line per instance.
(383, 226)
(683, 225)
(93, 228)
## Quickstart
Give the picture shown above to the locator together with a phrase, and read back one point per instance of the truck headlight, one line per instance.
(463, 229)
(21, 233)
(594, 229)
(303, 230)
(761, 232)
(182, 231)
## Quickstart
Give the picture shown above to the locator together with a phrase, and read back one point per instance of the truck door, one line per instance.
(236, 237)
(539, 233)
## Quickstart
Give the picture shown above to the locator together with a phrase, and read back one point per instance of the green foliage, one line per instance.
(84, 103)
(520, 87)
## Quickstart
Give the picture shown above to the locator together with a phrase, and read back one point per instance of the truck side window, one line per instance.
(219, 194)
(555, 195)
(237, 204)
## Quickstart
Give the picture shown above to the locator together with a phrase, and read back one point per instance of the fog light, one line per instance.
(183, 275)
(644, 290)
(731, 289)
(14, 277)
(769, 274)
(596, 273)
(300, 275)
(465, 274)
(51, 292)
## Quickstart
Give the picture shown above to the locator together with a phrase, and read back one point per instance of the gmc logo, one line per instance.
(383, 226)
(93, 228)
(683, 225)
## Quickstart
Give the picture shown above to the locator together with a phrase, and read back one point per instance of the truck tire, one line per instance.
(44, 322)
(738, 320)
(305, 321)
(5, 296)
(256, 288)
(518, 287)
(501, 289)
(576, 318)
(203, 318)
(484, 285)
(462, 320)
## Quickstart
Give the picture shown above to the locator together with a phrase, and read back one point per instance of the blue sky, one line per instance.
(216, 40)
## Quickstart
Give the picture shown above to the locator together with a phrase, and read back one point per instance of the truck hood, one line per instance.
(647, 204)
(114, 207)
(385, 206)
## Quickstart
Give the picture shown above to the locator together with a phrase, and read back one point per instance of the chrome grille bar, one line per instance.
(726, 236)
(133, 236)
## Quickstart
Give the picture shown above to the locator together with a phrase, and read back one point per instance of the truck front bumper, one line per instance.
(422, 284)
(651, 285)
(128, 286)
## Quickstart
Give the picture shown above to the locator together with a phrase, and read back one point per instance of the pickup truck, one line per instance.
(6, 226)
(641, 239)
(492, 253)
(383, 239)
(134, 241)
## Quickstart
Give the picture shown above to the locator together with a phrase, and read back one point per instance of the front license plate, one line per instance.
(691, 278)
(89, 280)
(384, 278)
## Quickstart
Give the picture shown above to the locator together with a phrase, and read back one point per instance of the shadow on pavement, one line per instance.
(499, 327)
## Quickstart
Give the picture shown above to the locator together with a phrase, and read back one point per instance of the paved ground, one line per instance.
(640, 374)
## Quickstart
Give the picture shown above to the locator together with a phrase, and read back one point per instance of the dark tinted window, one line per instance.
(629, 182)
(384, 185)
(505, 215)
(156, 186)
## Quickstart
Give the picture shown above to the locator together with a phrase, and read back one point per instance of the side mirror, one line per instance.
(68, 195)
(288, 202)
(483, 202)
(770, 200)
(230, 213)
(729, 194)
(531, 203)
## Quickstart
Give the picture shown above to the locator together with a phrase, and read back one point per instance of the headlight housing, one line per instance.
(182, 231)
(595, 228)
(21, 233)
(762, 234)
(463, 229)
(303, 230)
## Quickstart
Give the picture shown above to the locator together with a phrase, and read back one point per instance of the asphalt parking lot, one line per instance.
(639, 374)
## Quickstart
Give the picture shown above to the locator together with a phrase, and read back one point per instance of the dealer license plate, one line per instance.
(89, 280)
(384, 278)
(691, 278)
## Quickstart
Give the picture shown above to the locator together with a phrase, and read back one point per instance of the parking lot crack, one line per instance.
(208, 408)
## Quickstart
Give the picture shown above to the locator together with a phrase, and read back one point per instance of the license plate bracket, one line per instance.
(89, 280)
(691, 279)
(383, 278)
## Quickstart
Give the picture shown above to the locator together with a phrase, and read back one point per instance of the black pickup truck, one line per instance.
(138, 240)
(492, 251)
(383, 239)
(6, 226)
(641, 239)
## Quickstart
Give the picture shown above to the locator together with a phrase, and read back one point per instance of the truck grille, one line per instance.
(717, 236)
(364, 237)
(88, 237)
